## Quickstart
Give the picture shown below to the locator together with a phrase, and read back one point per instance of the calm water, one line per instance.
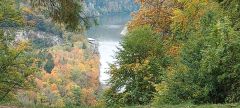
(108, 35)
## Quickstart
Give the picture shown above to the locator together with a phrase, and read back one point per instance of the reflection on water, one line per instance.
(108, 35)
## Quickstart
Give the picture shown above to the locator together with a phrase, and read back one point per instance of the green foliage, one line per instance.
(74, 100)
(207, 68)
(199, 106)
(15, 66)
(70, 12)
(232, 8)
(50, 63)
(204, 67)
(77, 96)
(9, 16)
(39, 43)
(80, 78)
(138, 68)
(84, 46)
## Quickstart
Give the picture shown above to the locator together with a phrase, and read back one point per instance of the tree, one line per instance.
(67, 12)
(50, 63)
(9, 16)
(206, 68)
(138, 68)
(155, 13)
(15, 65)
(15, 60)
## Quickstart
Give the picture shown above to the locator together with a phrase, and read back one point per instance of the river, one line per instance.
(107, 33)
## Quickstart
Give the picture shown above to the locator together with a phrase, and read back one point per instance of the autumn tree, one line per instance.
(15, 66)
(15, 59)
(156, 13)
(138, 68)
(206, 68)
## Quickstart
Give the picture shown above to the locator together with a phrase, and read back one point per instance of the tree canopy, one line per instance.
(198, 60)
(67, 12)
(15, 66)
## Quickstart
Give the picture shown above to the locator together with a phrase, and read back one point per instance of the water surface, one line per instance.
(108, 34)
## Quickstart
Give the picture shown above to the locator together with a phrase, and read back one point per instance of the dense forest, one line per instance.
(176, 54)
(46, 61)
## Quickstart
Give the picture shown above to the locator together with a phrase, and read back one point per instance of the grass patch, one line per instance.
(190, 106)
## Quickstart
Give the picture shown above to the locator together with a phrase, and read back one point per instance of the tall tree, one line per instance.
(155, 13)
(15, 65)
(138, 68)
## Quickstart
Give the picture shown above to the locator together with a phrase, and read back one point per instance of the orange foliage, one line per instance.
(62, 72)
(174, 50)
(54, 87)
(89, 97)
(156, 13)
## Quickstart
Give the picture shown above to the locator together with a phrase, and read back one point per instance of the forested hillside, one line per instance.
(46, 61)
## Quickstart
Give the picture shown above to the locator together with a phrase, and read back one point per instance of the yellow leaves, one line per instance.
(67, 64)
(27, 10)
(154, 13)
(21, 46)
(146, 78)
(174, 50)
(161, 88)
(82, 66)
(170, 71)
(188, 16)
(178, 15)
